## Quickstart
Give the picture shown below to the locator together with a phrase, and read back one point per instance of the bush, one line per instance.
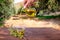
(51, 5)
(6, 9)
(17, 33)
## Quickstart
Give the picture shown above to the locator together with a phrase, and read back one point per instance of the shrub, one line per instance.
(17, 33)
(6, 9)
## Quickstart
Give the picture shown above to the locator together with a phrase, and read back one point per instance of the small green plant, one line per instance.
(17, 33)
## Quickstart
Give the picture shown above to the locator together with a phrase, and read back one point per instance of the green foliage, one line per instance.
(1, 21)
(52, 5)
(6, 9)
(42, 7)
(36, 4)
(17, 33)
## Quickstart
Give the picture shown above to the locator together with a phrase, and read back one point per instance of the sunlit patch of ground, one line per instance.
(30, 23)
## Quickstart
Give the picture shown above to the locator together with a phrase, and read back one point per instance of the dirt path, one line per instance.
(30, 23)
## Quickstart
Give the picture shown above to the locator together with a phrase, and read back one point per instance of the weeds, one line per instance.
(18, 33)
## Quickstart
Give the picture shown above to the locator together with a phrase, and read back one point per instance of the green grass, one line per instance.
(1, 21)
(48, 17)
(1, 24)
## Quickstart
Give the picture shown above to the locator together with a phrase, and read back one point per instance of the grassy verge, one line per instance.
(1, 21)
(48, 17)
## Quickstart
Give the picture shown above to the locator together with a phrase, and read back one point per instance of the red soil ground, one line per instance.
(33, 34)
